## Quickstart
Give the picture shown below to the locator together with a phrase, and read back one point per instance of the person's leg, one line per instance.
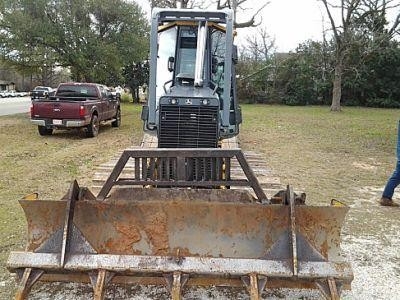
(391, 184)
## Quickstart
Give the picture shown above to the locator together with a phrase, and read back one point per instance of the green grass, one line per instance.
(47, 165)
(126, 97)
(327, 155)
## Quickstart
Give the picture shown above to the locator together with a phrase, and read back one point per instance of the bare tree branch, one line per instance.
(260, 45)
(332, 21)
(235, 5)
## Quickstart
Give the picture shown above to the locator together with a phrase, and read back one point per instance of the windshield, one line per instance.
(218, 44)
(166, 49)
(40, 88)
(186, 63)
(77, 91)
(177, 51)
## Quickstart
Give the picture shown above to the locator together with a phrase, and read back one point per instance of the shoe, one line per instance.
(387, 202)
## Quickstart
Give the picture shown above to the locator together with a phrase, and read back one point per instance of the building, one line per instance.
(7, 85)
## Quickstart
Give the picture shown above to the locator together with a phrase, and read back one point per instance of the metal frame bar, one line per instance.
(72, 197)
(227, 70)
(99, 280)
(168, 15)
(175, 282)
(198, 281)
(141, 264)
(153, 68)
(255, 284)
(330, 288)
(328, 277)
(180, 156)
(290, 195)
(28, 278)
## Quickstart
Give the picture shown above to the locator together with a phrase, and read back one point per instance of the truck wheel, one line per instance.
(93, 127)
(43, 130)
(117, 121)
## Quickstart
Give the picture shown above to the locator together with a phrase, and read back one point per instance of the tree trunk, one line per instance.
(337, 85)
(135, 95)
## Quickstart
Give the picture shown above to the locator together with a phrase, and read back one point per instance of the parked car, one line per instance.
(21, 94)
(41, 92)
(117, 92)
(7, 94)
(76, 105)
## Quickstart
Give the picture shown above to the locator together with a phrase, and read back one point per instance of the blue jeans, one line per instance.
(392, 183)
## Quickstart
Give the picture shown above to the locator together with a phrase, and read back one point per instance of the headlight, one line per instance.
(173, 101)
(205, 101)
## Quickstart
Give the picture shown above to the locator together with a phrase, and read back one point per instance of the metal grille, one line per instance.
(188, 127)
(190, 169)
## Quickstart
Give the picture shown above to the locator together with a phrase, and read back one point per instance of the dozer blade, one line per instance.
(180, 236)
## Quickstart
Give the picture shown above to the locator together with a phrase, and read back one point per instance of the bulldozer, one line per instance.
(180, 216)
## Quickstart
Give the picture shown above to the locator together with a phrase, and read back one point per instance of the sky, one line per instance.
(290, 22)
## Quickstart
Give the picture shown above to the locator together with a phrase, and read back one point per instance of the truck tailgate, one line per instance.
(57, 109)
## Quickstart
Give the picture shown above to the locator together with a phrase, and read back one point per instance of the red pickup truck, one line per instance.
(75, 105)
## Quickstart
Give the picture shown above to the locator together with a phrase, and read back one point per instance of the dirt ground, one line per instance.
(346, 156)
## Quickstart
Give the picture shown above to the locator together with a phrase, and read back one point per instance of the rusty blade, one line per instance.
(191, 227)
(320, 227)
(42, 220)
(161, 228)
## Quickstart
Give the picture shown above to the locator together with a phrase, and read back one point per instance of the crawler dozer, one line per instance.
(173, 212)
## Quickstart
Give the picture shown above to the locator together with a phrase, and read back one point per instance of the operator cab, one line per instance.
(191, 104)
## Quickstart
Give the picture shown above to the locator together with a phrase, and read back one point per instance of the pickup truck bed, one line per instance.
(76, 105)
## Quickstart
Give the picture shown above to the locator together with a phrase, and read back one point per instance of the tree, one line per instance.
(255, 64)
(260, 45)
(372, 17)
(136, 75)
(372, 74)
(355, 14)
(341, 36)
(303, 76)
(94, 39)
